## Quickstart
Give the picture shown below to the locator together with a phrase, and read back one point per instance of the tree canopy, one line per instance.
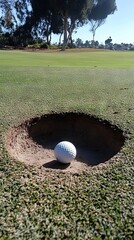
(101, 9)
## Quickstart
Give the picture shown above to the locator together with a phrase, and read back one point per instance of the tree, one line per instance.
(87, 44)
(94, 25)
(44, 19)
(13, 13)
(108, 41)
(79, 42)
(6, 19)
(74, 14)
(100, 11)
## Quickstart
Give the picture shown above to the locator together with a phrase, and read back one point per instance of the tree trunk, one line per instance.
(93, 38)
(60, 39)
(65, 32)
(70, 31)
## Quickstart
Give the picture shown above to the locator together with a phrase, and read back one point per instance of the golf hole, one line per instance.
(33, 141)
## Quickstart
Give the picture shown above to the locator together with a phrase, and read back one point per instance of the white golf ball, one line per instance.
(65, 152)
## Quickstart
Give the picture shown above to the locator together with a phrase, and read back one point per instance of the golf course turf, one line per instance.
(96, 203)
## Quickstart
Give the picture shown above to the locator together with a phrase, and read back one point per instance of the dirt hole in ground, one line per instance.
(33, 141)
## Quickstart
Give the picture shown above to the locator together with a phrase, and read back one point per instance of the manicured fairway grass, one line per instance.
(76, 58)
(96, 204)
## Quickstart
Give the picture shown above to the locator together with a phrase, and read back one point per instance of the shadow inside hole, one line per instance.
(93, 157)
(54, 164)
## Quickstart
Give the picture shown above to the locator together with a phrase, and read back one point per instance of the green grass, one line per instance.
(105, 59)
(95, 204)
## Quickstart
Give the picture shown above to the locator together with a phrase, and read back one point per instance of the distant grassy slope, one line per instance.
(107, 59)
(94, 205)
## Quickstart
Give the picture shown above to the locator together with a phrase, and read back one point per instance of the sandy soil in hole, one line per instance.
(21, 146)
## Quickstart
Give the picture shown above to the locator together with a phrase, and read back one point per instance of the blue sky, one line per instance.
(120, 26)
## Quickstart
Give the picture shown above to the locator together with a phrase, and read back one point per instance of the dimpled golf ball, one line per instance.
(65, 152)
